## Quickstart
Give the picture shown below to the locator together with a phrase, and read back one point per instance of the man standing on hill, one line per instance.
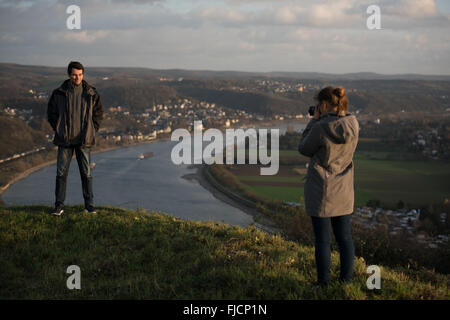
(74, 112)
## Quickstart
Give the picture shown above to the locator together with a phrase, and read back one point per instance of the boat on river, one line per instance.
(145, 155)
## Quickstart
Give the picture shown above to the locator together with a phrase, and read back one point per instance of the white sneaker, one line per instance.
(90, 210)
(57, 211)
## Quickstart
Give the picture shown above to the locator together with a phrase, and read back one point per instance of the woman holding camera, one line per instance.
(330, 140)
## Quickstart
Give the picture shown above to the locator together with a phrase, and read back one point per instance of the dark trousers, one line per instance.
(83, 155)
(343, 235)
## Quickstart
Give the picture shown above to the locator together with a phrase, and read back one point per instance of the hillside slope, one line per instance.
(140, 88)
(17, 136)
(137, 255)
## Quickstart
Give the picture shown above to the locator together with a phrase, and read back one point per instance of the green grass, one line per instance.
(137, 255)
(362, 197)
(289, 153)
(296, 194)
(278, 193)
(414, 182)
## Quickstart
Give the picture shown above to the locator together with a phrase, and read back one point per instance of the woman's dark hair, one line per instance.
(336, 97)
(76, 65)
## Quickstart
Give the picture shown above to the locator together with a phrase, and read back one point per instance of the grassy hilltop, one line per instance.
(138, 255)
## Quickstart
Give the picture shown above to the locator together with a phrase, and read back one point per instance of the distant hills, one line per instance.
(140, 88)
(218, 74)
(358, 76)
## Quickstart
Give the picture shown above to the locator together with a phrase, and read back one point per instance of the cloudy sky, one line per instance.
(245, 35)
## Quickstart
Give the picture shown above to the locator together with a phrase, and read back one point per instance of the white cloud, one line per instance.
(411, 8)
(286, 15)
(82, 36)
(217, 14)
(255, 35)
(11, 38)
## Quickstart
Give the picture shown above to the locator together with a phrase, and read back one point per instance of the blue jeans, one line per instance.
(83, 155)
(343, 235)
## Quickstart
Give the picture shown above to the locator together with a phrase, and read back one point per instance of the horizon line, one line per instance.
(239, 71)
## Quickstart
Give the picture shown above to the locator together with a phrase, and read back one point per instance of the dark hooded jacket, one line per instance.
(58, 111)
(330, 143)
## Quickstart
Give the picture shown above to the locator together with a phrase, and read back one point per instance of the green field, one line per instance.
(279, 193)
(379, 175)
(289, 153)
(414, 182)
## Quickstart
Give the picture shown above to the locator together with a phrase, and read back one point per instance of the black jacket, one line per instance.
(58, 110)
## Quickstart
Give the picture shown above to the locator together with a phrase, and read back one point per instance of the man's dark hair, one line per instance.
(76, 65)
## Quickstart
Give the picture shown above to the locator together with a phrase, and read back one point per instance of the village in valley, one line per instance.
(399, 221)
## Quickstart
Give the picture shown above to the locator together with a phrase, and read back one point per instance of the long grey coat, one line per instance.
(330, 143)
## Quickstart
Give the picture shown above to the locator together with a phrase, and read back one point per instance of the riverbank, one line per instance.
(28, 171)
(261, 222)
(124, 181)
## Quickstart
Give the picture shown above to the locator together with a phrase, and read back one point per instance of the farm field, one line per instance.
(379, 175)
(287, 185)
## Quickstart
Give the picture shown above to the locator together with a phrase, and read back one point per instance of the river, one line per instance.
(121, 179)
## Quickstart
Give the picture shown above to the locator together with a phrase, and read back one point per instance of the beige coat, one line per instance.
(330, 143)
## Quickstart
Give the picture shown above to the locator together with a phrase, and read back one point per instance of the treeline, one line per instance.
(432, 222)
(404, 135)
(290, 140)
